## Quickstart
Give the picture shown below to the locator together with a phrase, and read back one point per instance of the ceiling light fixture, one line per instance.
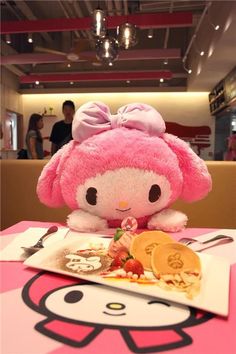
(8, 38)
(200, 52)
(189, 70)
(36, 82)
(99, 18)
(68, 65)
(189, 47)
(107, 49)
(127, 35)
(128, 81)
(30, 38)
(165, 62)
(215, 26)
(150, 33)
(72, 83)
(161, 80)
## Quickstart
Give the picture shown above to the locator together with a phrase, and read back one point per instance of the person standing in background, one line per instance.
(34, 140)
(230, 154)
(62, 131)
(1, 138)
(1, 131)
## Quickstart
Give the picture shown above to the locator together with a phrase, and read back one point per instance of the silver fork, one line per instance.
(188, 241)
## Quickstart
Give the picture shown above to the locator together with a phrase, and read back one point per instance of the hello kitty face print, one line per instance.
(111, 306)
(76, 313)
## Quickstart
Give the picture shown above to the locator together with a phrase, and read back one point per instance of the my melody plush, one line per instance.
(123, 165)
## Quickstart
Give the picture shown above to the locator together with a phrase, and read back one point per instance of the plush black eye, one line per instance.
(73, 296)
(91, 196)
(154, 193)
(159, 302)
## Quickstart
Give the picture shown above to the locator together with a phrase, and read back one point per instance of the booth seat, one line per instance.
(19, 200)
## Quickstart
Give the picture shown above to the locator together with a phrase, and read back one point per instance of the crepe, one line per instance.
(143, 244)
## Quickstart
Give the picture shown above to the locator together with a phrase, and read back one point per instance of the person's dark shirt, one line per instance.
(61, 133)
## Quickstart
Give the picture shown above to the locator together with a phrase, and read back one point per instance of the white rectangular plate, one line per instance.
(213, 296)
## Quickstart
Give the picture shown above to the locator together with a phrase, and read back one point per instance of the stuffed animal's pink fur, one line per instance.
(126, 153)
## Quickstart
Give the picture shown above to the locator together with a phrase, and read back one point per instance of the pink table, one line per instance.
(29, 325)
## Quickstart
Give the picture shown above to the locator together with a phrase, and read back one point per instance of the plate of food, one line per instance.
(150, 263)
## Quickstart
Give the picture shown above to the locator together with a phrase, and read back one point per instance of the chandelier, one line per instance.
(99, 29)
(107, 47)
(127, 35)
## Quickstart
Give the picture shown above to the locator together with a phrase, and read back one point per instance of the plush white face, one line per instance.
(123, 192)
(114, 308)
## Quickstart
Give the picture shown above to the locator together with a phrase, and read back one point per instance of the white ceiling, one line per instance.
(219, 46)
(207, 71)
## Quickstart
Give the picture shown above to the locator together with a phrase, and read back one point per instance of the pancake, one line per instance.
(177, 267)
(174, 258)
(142, 246)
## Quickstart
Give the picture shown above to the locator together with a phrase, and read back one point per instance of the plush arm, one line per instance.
(168, 220)
(80, 220)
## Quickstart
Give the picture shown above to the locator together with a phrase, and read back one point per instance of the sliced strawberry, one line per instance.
(116, 263)
(134, 266)
(123, 254)
(120, 259)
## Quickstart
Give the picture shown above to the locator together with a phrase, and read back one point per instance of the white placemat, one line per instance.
(227, 250)
(14, 252)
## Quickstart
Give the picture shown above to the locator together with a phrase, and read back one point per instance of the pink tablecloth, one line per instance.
(30, 327)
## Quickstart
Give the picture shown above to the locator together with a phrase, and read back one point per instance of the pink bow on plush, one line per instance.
(95, 117)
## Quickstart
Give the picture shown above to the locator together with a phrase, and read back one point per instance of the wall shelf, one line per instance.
(223, 94)
(220, 108)
(216, 97)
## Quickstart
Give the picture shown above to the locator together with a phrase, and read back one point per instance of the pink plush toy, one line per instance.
(123, 165)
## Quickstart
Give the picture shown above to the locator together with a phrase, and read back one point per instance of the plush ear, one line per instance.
(48, 187)
(196, 178)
